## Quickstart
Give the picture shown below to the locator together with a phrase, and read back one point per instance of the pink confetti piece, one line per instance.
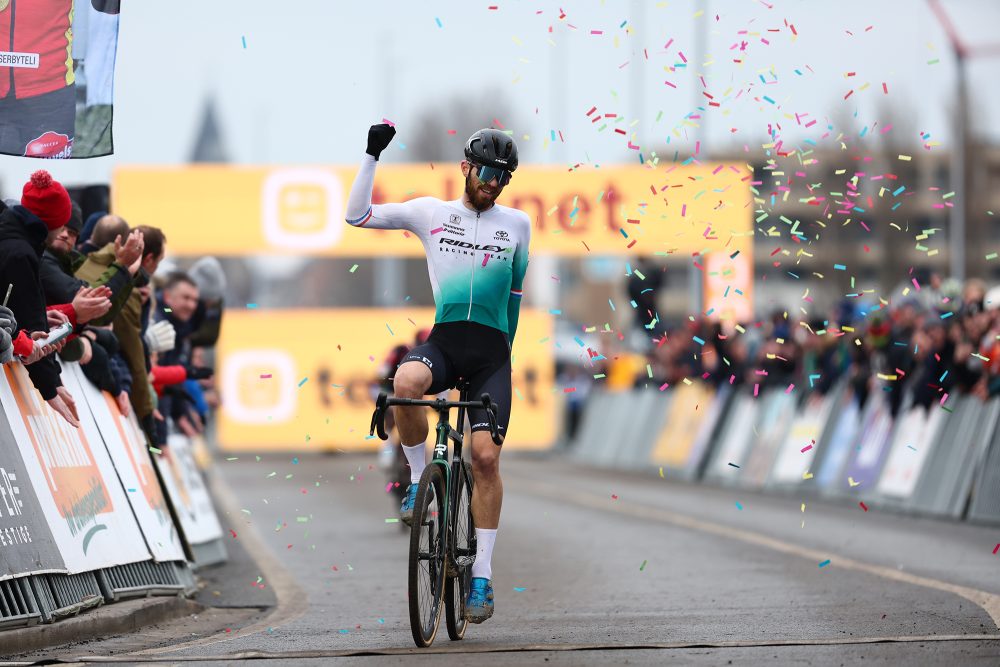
(806, 449)
(437, 231)
(265, 376)
(388, 122)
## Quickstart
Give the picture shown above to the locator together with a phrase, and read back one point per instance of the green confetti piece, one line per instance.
(155, 450)
(643, 566)
(392, 520)
(354, 268)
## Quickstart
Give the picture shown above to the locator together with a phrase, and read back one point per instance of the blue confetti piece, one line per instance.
(304, 380)
(390, 329)
(698, 340)
(381, 620)
(578, 341)
(438, 22)
(519, 589)
(295, 461)
(611, 304)
(244, 42)
(739, 507)
(825, 563)
(251, 305)
(839, 267)
(344, 632)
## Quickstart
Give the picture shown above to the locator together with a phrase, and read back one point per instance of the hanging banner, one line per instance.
(57, 64)
(126, 444)
(26, 543)
(315, 390)
(188, 491)
(78, 490)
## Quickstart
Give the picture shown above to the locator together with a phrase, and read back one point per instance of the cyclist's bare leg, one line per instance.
(487, 489)
(412, 380)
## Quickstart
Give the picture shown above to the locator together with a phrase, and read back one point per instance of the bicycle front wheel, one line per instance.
(427, 556)
(463, 551)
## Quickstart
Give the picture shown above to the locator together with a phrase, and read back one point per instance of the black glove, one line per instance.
(198, 372)
(379, 137)
(7, 320)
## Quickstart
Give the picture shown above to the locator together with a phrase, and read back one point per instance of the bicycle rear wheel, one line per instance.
(462, 540)
(427, 556)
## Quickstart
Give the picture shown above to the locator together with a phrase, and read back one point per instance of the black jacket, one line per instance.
(60, 285)
(22, 240)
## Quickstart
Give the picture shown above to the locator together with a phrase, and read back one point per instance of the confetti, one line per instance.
(244, 42)
(519, 589)
(438, 22)
(825, 563)
(354, 268)
(739, 506)
(304, 380)
(996, 548)
(265, 376)
(643, 566)
(863, 506)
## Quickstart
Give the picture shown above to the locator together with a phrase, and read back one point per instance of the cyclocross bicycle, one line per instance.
(442, 533)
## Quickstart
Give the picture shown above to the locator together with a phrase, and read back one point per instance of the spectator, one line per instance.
(60, 261)
(207, 320)
(45, 208)
(177, 306)
(130, 324)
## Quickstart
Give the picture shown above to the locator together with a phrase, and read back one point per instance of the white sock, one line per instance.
(483, 566)
(416, 456)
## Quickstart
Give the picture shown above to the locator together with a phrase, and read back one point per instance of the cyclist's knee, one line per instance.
(411, 381)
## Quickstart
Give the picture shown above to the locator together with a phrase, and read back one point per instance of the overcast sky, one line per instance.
(316, 73)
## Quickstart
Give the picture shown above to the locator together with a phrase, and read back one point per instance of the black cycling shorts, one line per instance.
(474, 352)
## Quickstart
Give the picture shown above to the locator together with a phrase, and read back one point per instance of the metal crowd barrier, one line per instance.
(928, 461)
(88, 516)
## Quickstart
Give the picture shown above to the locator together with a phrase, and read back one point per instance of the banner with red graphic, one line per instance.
(57, 67)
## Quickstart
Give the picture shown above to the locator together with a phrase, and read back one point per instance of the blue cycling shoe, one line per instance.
(479, 604)
(406, 510)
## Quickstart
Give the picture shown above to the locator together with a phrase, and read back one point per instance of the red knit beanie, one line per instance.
(47, 198)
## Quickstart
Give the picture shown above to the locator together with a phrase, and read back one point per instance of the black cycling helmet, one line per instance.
(492, 148)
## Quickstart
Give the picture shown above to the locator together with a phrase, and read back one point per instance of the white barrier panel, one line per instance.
(187, 490)
(840, 445)
(734, 440)
(26, 543)
(73, 477)
(126, 444)
(915, 436)
(774, 418)
(793, 463)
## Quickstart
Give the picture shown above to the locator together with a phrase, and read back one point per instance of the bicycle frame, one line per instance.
(443, 429)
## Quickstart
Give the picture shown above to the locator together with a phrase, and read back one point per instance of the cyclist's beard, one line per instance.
(479, 199)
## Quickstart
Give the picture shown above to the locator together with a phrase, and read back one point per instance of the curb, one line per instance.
(118, 618)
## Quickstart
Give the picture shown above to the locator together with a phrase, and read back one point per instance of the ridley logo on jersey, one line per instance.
(471, 246)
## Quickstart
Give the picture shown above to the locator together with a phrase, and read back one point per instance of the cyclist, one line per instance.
(477, 255)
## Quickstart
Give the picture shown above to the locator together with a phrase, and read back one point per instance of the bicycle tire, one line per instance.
(462, 551)
(427, 563)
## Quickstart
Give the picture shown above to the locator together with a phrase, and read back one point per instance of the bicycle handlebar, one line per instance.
(383, 402)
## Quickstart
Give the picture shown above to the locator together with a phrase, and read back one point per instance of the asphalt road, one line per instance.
(590, 567)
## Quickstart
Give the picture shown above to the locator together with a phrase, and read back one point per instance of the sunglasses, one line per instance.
(486, 174)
